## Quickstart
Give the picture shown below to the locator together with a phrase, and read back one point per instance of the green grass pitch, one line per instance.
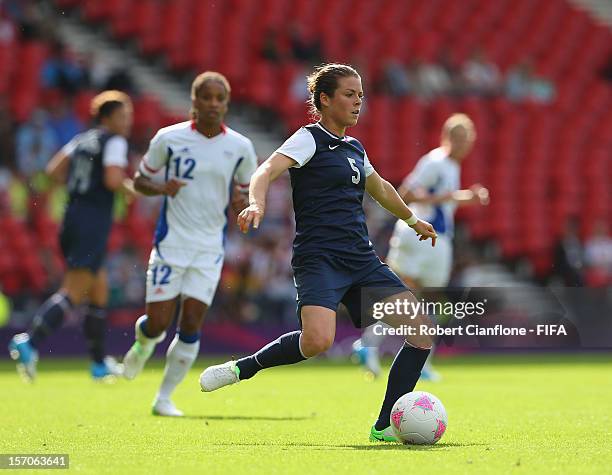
(507, 414)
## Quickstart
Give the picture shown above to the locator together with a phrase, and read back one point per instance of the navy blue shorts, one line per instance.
(327, 281)
(83, 240)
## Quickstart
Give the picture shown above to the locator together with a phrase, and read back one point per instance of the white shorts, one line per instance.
(183, 272)
(429, 266)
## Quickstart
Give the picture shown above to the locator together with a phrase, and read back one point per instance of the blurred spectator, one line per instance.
(480, 77)
(299, 85)
(569, 256)
(307, 50)
(541, 90)
(98, 70)
(598, 256)
(126, 277)
(518, 82)
(270, 49)
(434, 80)
(35, 144)
(397, 82)
(61, 70)
(64, 121)
(121, 80)
(29, 16)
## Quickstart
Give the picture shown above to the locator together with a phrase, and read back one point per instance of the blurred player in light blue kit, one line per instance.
(433, 191)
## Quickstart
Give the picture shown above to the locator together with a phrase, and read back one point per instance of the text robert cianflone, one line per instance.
(470, 330)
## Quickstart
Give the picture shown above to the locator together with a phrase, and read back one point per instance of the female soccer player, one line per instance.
(201, 159)
(92, 164)
(333, 259)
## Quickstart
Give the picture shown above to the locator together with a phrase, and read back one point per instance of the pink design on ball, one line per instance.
(439, 430)
(424, 403)
(396, 417)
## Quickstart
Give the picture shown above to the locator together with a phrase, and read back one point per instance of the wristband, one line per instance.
(412, 220)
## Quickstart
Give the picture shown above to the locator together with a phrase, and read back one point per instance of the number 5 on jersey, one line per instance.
(354, 179)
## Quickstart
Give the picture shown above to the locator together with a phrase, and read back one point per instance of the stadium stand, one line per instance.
(544, 162)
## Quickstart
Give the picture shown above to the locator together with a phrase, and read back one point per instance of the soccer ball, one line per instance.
(418, 418)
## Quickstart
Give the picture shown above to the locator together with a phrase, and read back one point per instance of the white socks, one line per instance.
(179, 359)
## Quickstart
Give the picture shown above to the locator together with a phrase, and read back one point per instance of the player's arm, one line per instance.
(475, 194)
(265, 174)
(153, 161)
(146, 186)
(57, 168)
(385, 194)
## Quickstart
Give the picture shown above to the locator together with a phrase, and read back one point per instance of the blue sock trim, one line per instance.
(188, 338)
(143, 328)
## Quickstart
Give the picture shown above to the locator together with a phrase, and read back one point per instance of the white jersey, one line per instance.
(438, 174)
(196, 218)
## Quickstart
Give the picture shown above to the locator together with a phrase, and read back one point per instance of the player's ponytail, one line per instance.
(324, 79)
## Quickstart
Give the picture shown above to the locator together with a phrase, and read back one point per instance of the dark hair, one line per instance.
(107, 102)
(325, 79)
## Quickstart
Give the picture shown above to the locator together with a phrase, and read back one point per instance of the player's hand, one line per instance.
(481, 194)
(172, 187)
(253, 214)
(240, 200)
(425, 231)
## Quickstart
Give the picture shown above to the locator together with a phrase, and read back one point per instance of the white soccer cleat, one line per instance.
(114, 367)
(135, 359)
(137, 356)
(215, 377)
(165, 407)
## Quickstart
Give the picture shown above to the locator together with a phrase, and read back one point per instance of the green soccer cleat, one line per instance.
(385, 435)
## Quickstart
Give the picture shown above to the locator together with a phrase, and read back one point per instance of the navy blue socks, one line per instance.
(49, 317)
(403, 376)
(282, 351)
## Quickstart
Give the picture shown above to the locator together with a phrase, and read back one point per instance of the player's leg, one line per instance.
(49, 317)
(435, 277)
(149, 330)
(94, 329)
(181, 354)
(164, 280)
(317, 336)
(408, 363)
(405, 260)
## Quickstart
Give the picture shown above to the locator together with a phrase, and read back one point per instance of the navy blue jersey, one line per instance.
(89, 153)
(328, 184)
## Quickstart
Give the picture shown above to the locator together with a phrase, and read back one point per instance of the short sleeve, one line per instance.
(247, 167)
(423, 175)
(70, 147)
(155, 158)
(300, 147)
(115, 152)
(367, 166)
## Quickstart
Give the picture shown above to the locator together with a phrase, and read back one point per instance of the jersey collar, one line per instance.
(331, 134)
(194, 128)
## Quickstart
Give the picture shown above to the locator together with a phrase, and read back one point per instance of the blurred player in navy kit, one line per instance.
(93, 166)
(333, 258)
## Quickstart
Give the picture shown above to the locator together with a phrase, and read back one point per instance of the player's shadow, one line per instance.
(371, 446)
(249, 418)
(392, 446)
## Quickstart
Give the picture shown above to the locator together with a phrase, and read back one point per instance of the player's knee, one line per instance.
(314, 343)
